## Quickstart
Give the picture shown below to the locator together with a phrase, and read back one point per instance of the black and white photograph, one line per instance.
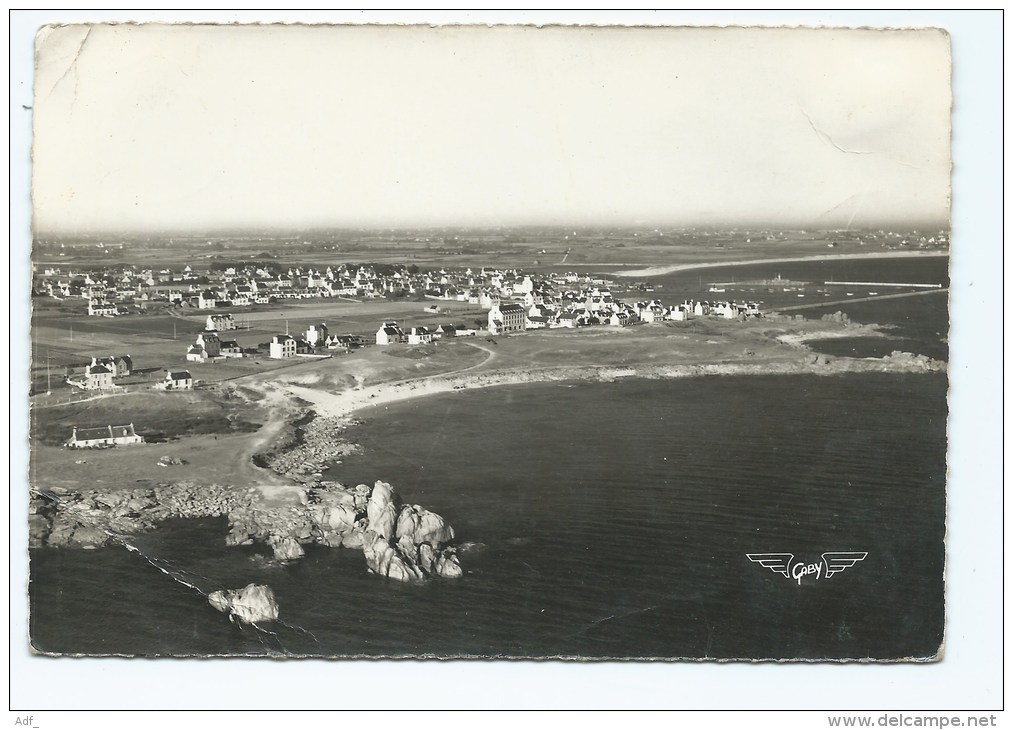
(582, 343)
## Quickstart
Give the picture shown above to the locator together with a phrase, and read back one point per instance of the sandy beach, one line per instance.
(346, 403)
(661, 270)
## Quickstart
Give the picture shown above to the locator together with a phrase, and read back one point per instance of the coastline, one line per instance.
(671, 269)
(345, 404)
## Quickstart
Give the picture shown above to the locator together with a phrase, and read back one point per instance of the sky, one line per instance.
(174, 128)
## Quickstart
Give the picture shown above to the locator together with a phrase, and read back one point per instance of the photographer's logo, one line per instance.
(786, 565)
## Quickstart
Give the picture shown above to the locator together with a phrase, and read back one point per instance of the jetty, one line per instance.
(884, 283)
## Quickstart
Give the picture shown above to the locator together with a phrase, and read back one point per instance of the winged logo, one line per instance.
(786, 565)
(837, 562)
(778, 562)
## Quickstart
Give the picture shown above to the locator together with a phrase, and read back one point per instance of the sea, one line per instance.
(595, 520)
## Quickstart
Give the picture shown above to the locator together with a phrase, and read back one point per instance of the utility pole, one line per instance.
(49, 390)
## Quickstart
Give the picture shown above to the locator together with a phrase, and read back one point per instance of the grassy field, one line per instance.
(63, 334)
(155, 415)
(215, 433)
(534, 250)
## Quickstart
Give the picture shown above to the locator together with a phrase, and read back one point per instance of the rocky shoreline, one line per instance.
(315, 444)
(403, 542)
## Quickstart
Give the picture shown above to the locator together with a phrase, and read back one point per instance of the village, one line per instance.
(224, 299)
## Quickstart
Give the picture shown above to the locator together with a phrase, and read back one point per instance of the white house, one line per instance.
(419, 336)
(178, 380)
(389, 334)
(623, 318)
(315, 335)
(207, 299)
(220, 323)
(82, 438)
(506, 318)
(101, 308)
(282, 346)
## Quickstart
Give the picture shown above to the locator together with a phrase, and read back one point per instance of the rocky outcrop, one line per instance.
(314, 443)
(403, 542)
(910, 361)
(838, 316)
(92, 518)
(253, 604)
(406, 543)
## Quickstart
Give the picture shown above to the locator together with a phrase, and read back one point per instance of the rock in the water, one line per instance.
(385, 561)
(381, 510)
(285, 548)
(251, 605)
(447, 566)
(420, 525)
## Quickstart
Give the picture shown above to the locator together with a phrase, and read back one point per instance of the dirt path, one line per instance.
(279, 412)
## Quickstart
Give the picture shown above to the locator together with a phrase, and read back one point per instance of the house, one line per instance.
(207, 347)
(316, 336)
(623, 318)
(178, 380)
(506, 318)
(230, 348)
(120, 366)
(282, 346)
(82, 438)
(678, 314)
(220, 323)
(101, 308)
(96, 377)
(419, 336)
(389, 333)
(207, 299)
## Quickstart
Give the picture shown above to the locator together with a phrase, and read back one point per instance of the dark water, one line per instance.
(614, 520)
(920, 322)
(607, 520)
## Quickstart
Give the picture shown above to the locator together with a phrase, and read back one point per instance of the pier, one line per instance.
(817, 305)
(883, 283)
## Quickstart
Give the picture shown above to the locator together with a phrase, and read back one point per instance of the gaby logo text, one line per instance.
(786, 565)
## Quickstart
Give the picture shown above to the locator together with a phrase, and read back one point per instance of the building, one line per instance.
(82, 438)
(282, 346)
(506, 318)
(207, 299)
(623, 318)
(389, 333)
(120, 366)
(95, 377)
(178, 380)
(220, 323)
(419, 336)
(316, 335)
(101, 308)
(231, 348)
(207, 347)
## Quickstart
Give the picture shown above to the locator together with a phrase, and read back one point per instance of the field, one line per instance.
(62, 334)
(536, 249)
(214, 432)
